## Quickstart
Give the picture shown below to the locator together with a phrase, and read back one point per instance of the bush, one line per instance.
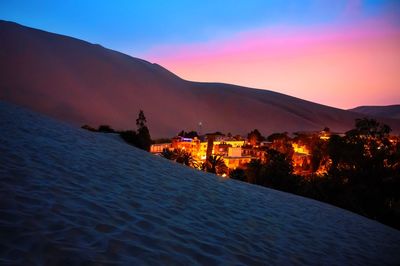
(238, 174)
(87, 127)
(105, 129)
(129, 136)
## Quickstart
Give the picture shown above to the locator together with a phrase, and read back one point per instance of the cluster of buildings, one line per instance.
(230, 149)
(237, 151)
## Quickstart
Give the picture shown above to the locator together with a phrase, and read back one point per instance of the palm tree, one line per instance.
(168, 154)
(238, 174)
(185, 158)
(215, 164)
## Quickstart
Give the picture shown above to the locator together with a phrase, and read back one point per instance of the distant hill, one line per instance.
(389, 111)
(84, 83)
(71, 197)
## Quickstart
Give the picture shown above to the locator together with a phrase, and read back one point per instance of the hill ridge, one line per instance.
(84, 83)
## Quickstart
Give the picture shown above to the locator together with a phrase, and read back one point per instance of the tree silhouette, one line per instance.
(318, 149)
(255, 137)
(277, 172)
(362, 167)
(141, 120)
(253, 172)
(238, 174)
(192, 134)
(143, 133)
(130, 137)
(168, 154)
(185, 158)
(105, 129)
(215, 164)
(87, 127)
(140, 138)
(180, 156)
(282, 143)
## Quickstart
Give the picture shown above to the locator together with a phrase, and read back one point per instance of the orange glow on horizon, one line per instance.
(340, 66)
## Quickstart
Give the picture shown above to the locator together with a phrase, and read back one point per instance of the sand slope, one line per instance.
(69, 196)
(83, 83)
(389, 111)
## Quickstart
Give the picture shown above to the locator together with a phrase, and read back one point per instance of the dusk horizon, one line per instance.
(314, 51)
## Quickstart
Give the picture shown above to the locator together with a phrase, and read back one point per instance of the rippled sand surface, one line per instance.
(69, 196)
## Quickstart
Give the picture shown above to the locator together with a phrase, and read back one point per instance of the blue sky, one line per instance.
(135, 26)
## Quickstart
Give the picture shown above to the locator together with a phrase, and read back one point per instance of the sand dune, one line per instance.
(83, 83)
(69, 196)
(389, 111)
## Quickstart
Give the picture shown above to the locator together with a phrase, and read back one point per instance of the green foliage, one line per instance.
(143, 134)
(141, 120)
(180, 156)
(129, 136)
(215, 164)
(316, 146)
(371, 127)
(216, 133)
(168, 154)
(279, 137)
(191, 134)
(281, 142)
(253, 172)
(255, 137)
(238, 174)
(275, 173)
(141, 138)
(87, 127)
(185, 158)
(363, 174)
(364, 169)
(161, 140)
(105, 129)
(318, 150)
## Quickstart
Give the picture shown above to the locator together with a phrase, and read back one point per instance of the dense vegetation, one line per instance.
(214, 164)
(363, 166)
(363, 172)
(140, 138)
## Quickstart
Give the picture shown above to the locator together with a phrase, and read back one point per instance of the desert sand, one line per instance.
(389, 111)
(69, 196)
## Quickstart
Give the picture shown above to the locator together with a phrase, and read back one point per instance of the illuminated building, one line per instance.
(301, 159)
(237, 152)
(230, 149)
(158, 148)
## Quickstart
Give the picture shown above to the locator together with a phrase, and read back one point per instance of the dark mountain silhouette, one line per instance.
(389, 111)
(84, 83)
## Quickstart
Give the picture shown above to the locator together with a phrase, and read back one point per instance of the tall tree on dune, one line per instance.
(143, 133)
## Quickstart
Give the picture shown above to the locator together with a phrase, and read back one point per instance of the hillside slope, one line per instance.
(389, 111)
(83, 83)
(70, 196)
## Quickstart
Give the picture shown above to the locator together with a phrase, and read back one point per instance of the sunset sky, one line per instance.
(338, 53)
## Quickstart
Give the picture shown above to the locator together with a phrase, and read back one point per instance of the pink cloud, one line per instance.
(340, 65)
